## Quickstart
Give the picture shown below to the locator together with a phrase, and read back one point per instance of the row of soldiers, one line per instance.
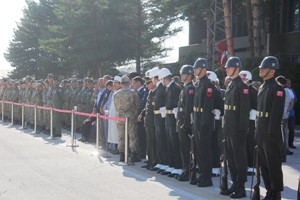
(51, 92)
(180, 119)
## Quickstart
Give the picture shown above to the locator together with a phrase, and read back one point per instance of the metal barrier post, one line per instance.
(22, 116)
(12, 114)
(72, 127)
(126, 140)
(97, 132)
(2, 111)
(51, 122)
(35, 119)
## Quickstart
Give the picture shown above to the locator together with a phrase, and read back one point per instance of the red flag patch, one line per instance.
(244, 75)
(279, 94)
(246, 91)
(191, 91)
(209, 92)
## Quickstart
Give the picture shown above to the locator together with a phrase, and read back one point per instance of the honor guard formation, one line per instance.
(188, 128)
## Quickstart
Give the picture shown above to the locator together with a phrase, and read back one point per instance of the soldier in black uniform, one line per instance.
(236, 122)
(247, 78)
(148, 115)
(185, 109)
(172, 139)
(270, 107)
(159, 122)
(206, 99)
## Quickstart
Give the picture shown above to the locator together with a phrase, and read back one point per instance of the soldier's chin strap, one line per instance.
(200, 72)
(267, 73)
(233, 71)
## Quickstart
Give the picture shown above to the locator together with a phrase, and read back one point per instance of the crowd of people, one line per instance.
(178, 124)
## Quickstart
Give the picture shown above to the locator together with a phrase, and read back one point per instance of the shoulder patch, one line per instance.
(209, 90)
(279, 94)
(246, 91)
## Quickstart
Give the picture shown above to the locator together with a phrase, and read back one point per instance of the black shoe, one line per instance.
(292, 146)
(144, 166)
(288, 152)
(134, 158)
(196, 181)
(241, 193)
(205, 182)
(184, 177)
(165, 173)
(171, 175)
(229, 191)
(82, 139)
(57, 135)
(122, 157)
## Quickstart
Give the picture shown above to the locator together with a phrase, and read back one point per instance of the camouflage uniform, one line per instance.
(57, 102)
(127, 105)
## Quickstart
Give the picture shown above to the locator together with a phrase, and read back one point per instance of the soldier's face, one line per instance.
(265, 74)
(117, 85)
(230, 70)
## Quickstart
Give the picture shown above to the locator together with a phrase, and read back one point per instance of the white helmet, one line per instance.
(212, 76)
(164, 72)
(147, 73)
(246, 74)
(153, 72)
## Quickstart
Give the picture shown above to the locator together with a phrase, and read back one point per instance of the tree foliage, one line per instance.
(88, 37)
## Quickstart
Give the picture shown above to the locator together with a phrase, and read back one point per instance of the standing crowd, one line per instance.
(182, 126)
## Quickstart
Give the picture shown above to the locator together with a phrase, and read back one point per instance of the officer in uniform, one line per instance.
(247, 78)
(270, 107)
(217, 136)
(205, 101)
(127, 105)
(172, 139)
(236, 123)
(159, 122)
(185, 109)
(148, 115)
(142, 91)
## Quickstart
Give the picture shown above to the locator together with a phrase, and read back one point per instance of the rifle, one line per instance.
(256, 192)
(224, 170)
(193, 171)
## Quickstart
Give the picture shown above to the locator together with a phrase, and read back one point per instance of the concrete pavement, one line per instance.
(35, 167)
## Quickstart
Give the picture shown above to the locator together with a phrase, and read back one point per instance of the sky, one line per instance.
(11, 12)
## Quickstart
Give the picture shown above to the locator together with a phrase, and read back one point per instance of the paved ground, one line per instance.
(35, 167)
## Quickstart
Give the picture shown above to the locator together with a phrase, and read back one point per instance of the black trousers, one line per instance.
(151, 145)
(173, 151)
(142, 140)
(291, 126)
(160, 138)
(237, 157)
(204, 150)
(86, 130)
(216, 144)
(251, 143)
(270, 148)
(185, 148)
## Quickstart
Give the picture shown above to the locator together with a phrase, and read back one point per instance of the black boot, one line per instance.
(205, 182)
(240, 192)
(229, 191)
(122, 157)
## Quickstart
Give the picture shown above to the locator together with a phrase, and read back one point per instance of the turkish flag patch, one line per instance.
(191, 91)
(244, 75)
(279, 94)
(246, 91)
(209, 92)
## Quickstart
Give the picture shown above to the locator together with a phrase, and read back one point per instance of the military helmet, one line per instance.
(270, 62)
(154, 72)
(233, 62)
(200, 63)
(164, 72)
(125, 79)
(246, 74)
(187, 69)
